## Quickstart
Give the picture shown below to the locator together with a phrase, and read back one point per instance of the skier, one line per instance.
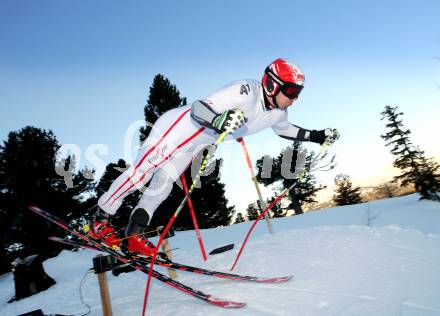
(240, 108)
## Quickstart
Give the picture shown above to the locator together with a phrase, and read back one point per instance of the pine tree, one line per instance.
(346, 194)
(6, 204)
(276, 210)
(429, 182)
(252, 211)
(304, 191)
(163, 97)
(28, 177)
(27, 164)
(76, 189)
(239, 218)
(417, 170)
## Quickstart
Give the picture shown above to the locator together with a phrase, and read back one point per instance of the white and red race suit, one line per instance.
(179, 134)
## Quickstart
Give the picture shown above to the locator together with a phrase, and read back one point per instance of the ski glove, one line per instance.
(228, 121)
(328, 135)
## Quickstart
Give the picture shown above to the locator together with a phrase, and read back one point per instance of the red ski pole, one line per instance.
(194, 218)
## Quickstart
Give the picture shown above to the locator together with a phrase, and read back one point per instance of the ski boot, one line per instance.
(102, 229)
(135, 242)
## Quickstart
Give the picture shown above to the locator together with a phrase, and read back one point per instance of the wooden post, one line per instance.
(167, 249)
(105, 294)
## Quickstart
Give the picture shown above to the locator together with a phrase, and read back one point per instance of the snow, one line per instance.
(341, 267)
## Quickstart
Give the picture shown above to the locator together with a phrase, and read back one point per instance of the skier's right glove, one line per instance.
(228, 121)
(328, 136)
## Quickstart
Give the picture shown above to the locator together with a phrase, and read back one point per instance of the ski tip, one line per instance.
(276, 279)
(35, 209)
(224, 303)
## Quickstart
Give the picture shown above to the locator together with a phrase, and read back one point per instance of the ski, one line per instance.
(74, 243)
(157, 275)
(219, 274)
(187, 268)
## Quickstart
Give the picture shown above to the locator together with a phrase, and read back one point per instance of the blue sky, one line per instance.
(83, 69)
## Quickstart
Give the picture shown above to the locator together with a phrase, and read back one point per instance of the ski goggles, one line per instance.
(289, 89)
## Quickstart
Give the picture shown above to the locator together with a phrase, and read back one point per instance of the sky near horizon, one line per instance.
(83, 69)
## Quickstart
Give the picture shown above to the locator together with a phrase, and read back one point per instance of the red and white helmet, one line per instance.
(281, 75)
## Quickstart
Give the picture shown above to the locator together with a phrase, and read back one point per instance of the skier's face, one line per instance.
(283, 101)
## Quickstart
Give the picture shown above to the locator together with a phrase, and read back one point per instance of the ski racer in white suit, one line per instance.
(241, 108)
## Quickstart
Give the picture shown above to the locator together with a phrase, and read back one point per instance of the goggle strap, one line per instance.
(274, 77)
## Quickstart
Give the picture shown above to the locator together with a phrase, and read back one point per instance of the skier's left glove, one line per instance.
(229, 121)
(328, 136)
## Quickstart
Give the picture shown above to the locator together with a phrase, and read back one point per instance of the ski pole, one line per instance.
(302, 175)
(173, 218)
(262, 204)
(194, 218)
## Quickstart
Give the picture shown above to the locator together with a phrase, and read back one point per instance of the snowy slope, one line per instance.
(341, 267)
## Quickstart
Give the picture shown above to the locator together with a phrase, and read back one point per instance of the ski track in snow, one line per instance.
(339, 268)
